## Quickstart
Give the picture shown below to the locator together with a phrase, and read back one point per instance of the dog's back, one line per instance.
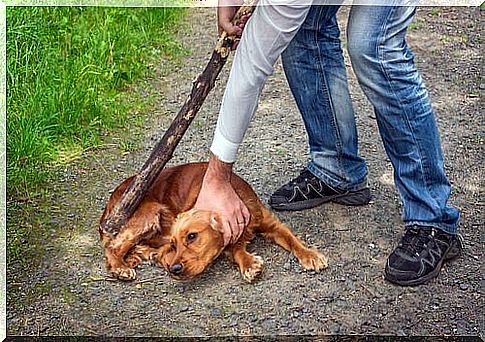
(177, 188)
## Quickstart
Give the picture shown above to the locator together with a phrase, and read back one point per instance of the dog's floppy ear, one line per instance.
(216, 222)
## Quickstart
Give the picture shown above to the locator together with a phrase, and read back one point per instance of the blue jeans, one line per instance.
(385, 69)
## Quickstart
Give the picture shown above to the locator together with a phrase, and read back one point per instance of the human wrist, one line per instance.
(217, 170)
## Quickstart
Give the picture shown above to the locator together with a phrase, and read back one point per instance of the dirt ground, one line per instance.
(65, 292)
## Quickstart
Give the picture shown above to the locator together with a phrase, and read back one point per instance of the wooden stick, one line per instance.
(164, 149)
(150, 279)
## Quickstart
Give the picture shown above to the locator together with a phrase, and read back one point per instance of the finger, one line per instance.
(240, 228)
(231, 29)
(232, 226)
(244, 19)
(235, 231)
(226, 231)
(235, 44)
(246, 214)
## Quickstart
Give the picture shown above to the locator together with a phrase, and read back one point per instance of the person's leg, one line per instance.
(384, 66)
(315, 69)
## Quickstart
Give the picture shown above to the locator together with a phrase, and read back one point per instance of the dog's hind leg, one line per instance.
(249, 265)
(275, 230)
(143, 225)
(116, 251)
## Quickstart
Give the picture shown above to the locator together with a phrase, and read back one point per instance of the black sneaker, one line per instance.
(307, 191)
(420, 255)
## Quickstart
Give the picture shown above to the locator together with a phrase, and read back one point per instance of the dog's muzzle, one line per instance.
(176, 269)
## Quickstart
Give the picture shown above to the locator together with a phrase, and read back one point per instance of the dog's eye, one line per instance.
(191, 237)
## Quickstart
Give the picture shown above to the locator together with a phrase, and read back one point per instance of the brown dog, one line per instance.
(185, 241)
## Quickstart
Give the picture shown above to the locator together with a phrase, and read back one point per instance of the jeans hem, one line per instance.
(332, 182)
(447, 228)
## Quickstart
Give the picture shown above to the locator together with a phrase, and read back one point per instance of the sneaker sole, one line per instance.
(361, 197)
(413, 282)
(451, 254)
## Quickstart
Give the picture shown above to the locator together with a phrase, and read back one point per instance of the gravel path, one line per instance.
(67, 293)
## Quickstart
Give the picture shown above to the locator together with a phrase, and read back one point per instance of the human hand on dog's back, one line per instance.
(217, 194)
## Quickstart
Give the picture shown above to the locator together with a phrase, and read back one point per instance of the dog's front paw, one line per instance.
(313, 260)
(123, 273)
(253, 268)
(133, 260)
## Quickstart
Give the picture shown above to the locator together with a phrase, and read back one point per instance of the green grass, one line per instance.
(67, 68)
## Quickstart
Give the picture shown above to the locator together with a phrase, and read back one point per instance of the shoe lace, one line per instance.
(302, 177)
(416, 239)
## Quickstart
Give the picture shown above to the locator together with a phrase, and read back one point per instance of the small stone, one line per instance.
(216, 312)
(268, 324)
(464, 287)
(335, 329)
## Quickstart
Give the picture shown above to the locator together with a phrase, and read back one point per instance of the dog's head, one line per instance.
(196, 240)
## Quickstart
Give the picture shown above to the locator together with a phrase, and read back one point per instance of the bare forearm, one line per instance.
(218, 170)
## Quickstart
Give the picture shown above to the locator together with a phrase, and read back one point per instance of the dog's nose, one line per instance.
(176, 269)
